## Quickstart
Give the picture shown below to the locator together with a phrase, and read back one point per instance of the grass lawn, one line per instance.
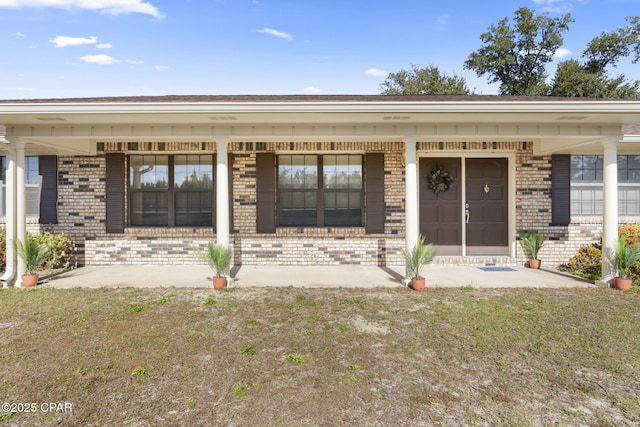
(333, 357)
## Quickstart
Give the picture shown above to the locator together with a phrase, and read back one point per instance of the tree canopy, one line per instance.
(590, 78)
(423, 81)
(516, 53)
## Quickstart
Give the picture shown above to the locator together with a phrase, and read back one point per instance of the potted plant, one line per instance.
(532, 242)
(622, 258)
(417, 258)
(33, 254)
(218, 257)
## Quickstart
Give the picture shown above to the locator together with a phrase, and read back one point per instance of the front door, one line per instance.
(471, 216)
(441, 212)
(486, 207)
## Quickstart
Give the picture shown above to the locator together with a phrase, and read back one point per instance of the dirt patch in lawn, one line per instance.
(307, 357)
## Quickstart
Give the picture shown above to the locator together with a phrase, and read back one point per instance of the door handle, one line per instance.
(467, 214)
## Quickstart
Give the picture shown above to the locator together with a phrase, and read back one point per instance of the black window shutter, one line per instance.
(230, 183)
(265, 193)
(374, 193)
(115, 182)
(560, 189)
(48, 170)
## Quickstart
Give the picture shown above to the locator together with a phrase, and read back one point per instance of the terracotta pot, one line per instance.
(535, 263)
(29, 280)
(418, 283)
(622, 284)
(219, 282)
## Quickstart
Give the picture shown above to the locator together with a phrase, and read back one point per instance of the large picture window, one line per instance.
(171, 190)
(320, 190)
(586, 185)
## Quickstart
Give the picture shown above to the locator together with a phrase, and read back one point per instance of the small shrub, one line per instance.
(631, 232)
(61, 256)
(62, 249)
(586, 263)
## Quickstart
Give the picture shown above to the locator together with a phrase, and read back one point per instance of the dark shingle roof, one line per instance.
(300, 98)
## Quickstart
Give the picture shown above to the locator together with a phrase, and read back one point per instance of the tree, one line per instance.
(590, 78)
(517, 56)
(573, 79)
(608, 48)
(423, 81)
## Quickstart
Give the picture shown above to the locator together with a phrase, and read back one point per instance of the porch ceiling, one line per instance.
(557, 124)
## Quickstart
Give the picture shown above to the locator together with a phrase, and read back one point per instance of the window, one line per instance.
(31, 172)
(307, 197)
(586, 185)
(171, 190)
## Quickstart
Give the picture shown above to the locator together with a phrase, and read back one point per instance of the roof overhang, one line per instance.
(556, 123)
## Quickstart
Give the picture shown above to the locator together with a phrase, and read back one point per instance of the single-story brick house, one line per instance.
(318, 179)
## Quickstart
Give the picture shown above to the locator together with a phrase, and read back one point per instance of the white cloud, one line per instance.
(275, 33)
(562, 53)
(311, 89)
(104, 46)
(555, 6)
(105, 7)
(63, 41)
(134, 62)
(161, 67)
(376, 73)
(100, 59)
(442, 20)
(18, 34)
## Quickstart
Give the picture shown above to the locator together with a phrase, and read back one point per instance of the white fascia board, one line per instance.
(586, 107)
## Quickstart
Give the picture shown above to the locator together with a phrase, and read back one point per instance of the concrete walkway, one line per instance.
(355, 276)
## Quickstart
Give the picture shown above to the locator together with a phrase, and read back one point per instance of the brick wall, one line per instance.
(81, 211)
(310, 245)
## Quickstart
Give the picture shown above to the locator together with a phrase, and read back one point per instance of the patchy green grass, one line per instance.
(299, 357)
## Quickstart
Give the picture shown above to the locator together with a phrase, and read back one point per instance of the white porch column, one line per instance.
(222, 192)
(21, 205)
(411, 193)
(11, 259)
(609, 205)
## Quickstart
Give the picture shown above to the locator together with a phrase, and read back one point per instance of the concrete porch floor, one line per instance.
(347, 276)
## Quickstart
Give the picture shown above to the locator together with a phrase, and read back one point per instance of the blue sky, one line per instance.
(80, 48)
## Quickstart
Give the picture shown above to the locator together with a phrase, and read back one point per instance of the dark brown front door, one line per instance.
(441, 213)
(486, 205)
(483, 209)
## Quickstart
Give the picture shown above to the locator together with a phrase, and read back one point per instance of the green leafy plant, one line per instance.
(298, 358)
(62, 254)
(32, 253)
(587, 262)
(248, 350)
(239, 391)
(532, 242)
(136, 308)
(141, 370)
(421, 255)
(217, 256)
(624, 256)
